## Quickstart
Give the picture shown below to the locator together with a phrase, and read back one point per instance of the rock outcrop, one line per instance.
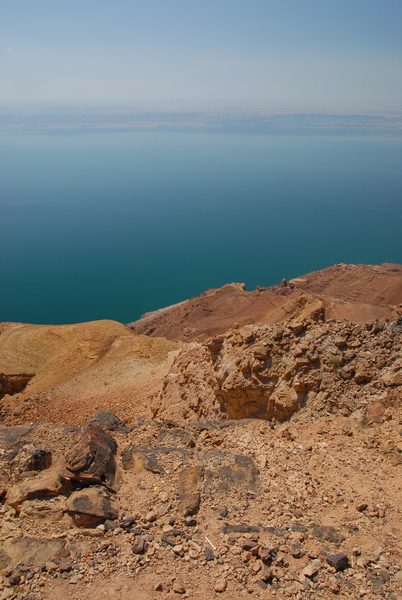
(272, 371)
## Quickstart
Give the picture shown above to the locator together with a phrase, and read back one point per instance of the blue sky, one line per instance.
(310, 53)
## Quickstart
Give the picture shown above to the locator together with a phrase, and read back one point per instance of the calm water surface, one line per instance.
(110, 225)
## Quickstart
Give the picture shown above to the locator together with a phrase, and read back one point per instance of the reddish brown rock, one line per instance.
(91, 459)
(190, 497)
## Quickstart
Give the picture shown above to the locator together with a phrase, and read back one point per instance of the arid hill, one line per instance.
(357, 293)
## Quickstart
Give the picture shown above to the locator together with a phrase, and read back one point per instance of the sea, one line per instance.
(112, 224)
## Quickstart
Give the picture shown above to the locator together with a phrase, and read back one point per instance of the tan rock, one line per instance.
(312, 568)
(220, 585)
(51, 482)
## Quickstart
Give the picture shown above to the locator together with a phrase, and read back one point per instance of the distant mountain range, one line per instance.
(235, 119)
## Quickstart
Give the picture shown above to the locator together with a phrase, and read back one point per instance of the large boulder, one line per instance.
(91, 460)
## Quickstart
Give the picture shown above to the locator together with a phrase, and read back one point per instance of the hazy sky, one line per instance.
(329, 53)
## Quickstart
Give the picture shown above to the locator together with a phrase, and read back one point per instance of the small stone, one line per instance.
(338, 561)
(14, 579)
(220, 585)
(139, 546)
(127, 523)
(208, 554)
(65, 565)
(312, 568)
(50, 566)
(362, 506)
(179, 588)
(296, 549)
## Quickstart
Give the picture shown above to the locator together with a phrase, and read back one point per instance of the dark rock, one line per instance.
(249, 545)
(208, 554)
(127, 523)
(108, 420)
(31, 458)
(110, 525)
(327, 533)
(338, 561)
(240, 529)
(276, 531)
(243, 475)
(169, 538)
(14, 579)
(136, 460)
(224, 511)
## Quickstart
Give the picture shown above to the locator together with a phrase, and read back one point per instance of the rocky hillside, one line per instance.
(262, 459)
(302, 369)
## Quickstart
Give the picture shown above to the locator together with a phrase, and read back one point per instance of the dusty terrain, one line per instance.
(259, 451)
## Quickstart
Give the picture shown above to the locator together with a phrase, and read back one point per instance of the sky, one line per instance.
(338, 54)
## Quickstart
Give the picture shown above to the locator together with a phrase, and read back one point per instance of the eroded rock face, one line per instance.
(13, 384)
(272, 371)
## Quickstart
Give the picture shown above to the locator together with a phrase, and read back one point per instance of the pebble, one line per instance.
(179, 588)
(220, 585)
(312, 568)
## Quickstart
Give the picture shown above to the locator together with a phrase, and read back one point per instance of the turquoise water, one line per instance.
(110, 225)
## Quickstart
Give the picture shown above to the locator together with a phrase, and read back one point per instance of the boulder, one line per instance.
(90, 506)
(91, 459)
(109, 421)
